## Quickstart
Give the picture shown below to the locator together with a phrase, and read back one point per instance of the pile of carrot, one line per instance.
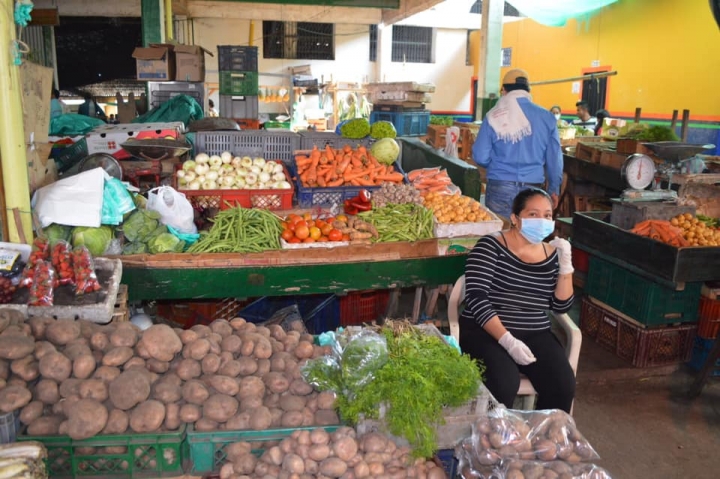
(344, 167)
(661, 230)
(431, 179)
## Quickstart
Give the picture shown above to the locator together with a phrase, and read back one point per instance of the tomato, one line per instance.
(307, 216)
(309, 240)
(315, 232)
(295, 219)
(284, 225)
(323, 239)
(291, 226)
(311, 223)
(342, 218)
(300, 223)
(287, 235)
(345, 237)
(291, 218)
(329, 220)
(294, 240)
(335, 235)
(326, 229)
(302, 232)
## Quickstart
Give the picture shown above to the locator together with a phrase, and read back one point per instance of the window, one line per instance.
(299, 40)
(412, 44)
(373, 42)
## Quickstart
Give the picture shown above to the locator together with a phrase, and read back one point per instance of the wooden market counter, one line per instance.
(605, 176)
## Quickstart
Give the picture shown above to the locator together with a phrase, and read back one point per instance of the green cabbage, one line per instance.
(166, 243)
(140, 225)
(56, 232)
(134, 248)
(95, 239)
(357, 128)
(386, 151)
(383, 129)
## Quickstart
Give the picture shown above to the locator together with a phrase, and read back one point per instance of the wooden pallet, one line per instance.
(122, 313)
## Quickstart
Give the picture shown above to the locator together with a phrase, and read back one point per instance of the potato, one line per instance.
(129, 389)
(195, 392)
(55, 366)
(292, 419)
(148, 416)
(242, 366)
(135, 362)
(204, 424)
(31, 411)
(45, 426)
(263, 349)
(26, 368)
(291, 403)
(299, 387)
(38, 325)
(99, 341)
(545, 450)
(251, 402)
(125, 335)
(293, 464)
(224, 384)
(187, 336)
(303, 350)
(239, 422)
(373, 442)
(230, 368)
(117, 356)
(231, 344)
(77, 347)
(16, 346)
(86, 419)
(215, 340)
(4, 369)
(105, 373)
(220, 407)
(251, 386)
(83, 366)
(260, 418)
(42, 348)
(117, 422)
(201, 330)
(161, 342)
(167, 392)
(196, 349)
(188, 369)
(345, 448)
(221, 327)
(94, 389)
(210, 364)
(319, 452)
(333, 467)
(276, 382)
(326, 400)
(47, 391)
(14, 397)
(190, 413)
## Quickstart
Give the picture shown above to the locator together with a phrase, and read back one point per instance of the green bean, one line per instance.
(240, 230)
(406, 222)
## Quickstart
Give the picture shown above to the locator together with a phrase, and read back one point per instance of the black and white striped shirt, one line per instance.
(499, 283)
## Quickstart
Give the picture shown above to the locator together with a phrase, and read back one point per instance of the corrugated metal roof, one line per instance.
(108, 89)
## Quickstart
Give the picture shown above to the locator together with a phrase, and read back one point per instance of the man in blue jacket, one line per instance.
(518, 145)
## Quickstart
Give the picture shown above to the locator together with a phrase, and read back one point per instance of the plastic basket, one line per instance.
(271, 199)
(447, 460)
(144, 456)
(407, 123)
(274, 145)
(9, 426)
(360, 307)
(237, 58)
(631, 342)
(208, 449)
(66, 157)
(239, 107)
(320, 313)
(309, 139)
(709, 324)
(239, 83)
(190, 313)
(308, 197)
(700, 352)
(645, 301)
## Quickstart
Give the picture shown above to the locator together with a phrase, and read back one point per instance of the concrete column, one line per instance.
(488, 88)
(153, 25)
(384, 52)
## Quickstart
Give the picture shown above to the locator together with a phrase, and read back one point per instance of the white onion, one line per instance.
(182, 182)
(194, 185)
(264, 177)
(202, 158)
(239, 181)
(227, 181)
(256, 169)
(180, 173)
(283, 185)
(278, 176)
(251, 179)
(259, 162)
(211, 176)
(189, 165)
(241, 172)
(226, 157)
(201, 169)
(209, 185)
(201, 178)
(236, 162)
(246, 162)
(189, 176)
(215, 160)
(227, 169)
(215, 167)
(268, 168)
(278, 168)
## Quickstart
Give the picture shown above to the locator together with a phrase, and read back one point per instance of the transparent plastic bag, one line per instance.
(324, 373)
(42, 290)
(516, 469)
(61, 255)
(40, 253)
(84, 268)
(530, 435)
(364, 354)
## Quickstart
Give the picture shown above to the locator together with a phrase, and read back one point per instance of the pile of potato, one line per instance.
(82, 379)
(317, 454)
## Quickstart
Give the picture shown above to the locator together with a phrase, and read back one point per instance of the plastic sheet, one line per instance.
(182, 108)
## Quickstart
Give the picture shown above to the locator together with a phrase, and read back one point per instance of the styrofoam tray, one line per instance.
(479, 228)
(328, 244)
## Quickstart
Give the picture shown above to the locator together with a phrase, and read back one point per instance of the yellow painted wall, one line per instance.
(666, 52)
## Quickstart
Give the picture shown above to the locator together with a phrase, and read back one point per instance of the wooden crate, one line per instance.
(628, 146)
(467, 140)
(320, 125)
(122, 313)
(612, 159)
(589, 151)
(436, 135)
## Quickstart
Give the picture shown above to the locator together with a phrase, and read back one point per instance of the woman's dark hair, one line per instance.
(555, 106)
(524, 196)
(600, 115)
(516, 86)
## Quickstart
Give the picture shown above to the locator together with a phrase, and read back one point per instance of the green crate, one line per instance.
(145, 455)
(645, 301)
(207, 449)
(239, 83)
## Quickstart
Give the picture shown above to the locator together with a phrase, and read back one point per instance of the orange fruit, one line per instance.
(315, 232)
(326, 229)
(294, 240)
(309, 240)
(307, 216)
(335, 235)
(311, 223)
(320, 223)
(287, 235)
(343, 218)
(302, 232)
(323, 239)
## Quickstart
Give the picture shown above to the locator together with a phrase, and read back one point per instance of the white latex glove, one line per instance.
(517, 350)
(564, 255)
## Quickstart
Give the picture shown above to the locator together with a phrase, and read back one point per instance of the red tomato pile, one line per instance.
(305, 229)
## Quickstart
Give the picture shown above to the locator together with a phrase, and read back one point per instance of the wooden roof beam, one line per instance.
(407, 9)
(283, 12)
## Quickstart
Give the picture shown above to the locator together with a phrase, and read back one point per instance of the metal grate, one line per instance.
(373, 42)
(299, 40)
(412, 44)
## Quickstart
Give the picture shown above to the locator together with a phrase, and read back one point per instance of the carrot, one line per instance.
(347, 149)
(329, 153)
(364, 182)
(356, 162)
(393, 177)
(334, 183)
(321, 181)
(355, 182)
(353, 174)
(344, 164)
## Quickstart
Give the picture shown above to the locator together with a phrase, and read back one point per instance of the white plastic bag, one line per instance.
(175, 210)
(451, 140)
(73, 201)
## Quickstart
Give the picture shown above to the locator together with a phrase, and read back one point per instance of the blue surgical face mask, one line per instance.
(536, 229)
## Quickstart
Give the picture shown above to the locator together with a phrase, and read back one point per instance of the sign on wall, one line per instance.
(506, 57)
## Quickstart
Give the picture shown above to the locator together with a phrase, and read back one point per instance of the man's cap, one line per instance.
(516, 76)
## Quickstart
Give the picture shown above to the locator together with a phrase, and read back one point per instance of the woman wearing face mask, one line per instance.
(512, 279)
(557, 112)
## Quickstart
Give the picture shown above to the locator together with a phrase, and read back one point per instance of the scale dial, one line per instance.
(639, 171)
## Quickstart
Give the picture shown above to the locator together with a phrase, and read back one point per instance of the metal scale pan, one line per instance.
(155, 149)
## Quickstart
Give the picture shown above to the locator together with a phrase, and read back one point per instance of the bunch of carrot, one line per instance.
(661, 230)
(345, 167)
(431, 179)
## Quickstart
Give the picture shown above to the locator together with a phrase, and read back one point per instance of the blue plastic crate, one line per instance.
(449, 462)
(308, 197)
(407, 123)
(701, 349)
(320, 312)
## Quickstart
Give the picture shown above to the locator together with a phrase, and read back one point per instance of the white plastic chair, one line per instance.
(526, 390)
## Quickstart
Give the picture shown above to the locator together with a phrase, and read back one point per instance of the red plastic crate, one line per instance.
(363, 306)
(709, 314)
(248, 123)
(189, 313)
(631, 342)
(224, 199)
(580, 260)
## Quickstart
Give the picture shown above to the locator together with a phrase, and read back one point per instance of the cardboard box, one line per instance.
(41, 168)
(108, 138)
(156, 62)
(190, 63)
(36, 83)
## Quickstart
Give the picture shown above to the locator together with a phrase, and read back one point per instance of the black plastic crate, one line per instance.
(237, 58)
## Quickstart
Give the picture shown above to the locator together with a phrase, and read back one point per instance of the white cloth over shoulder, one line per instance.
(507, 118)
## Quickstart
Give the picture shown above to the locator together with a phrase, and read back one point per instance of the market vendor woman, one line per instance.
(512, 279)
